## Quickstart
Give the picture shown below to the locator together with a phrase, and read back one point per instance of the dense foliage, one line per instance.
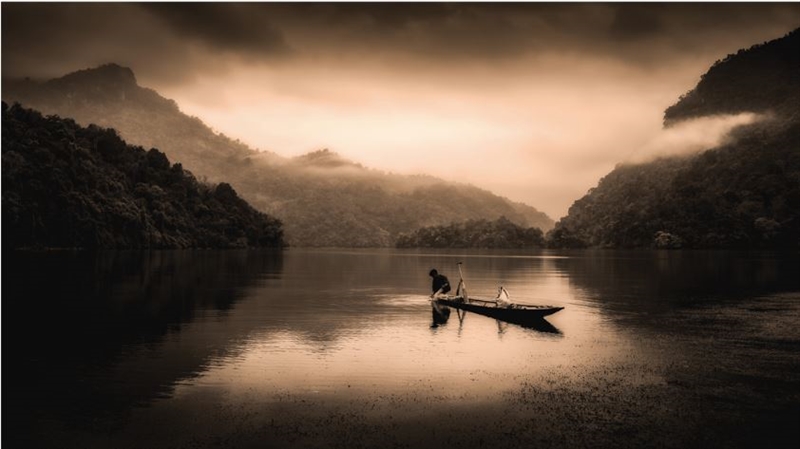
(322, 199)
(763, 78)
(500, 233)
(69, 186)
(743, 194)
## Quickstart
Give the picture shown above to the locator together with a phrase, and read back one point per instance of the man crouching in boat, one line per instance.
(440, 288)
(440, 285)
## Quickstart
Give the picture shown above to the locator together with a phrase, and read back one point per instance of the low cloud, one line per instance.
(692, 136)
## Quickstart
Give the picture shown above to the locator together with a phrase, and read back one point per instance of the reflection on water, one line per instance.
(441, 315)
(119, 349)
(642, 285)
(74, 321)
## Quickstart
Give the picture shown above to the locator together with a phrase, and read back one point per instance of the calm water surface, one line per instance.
(325, 348)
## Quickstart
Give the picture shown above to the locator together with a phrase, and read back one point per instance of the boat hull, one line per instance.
(509, 314)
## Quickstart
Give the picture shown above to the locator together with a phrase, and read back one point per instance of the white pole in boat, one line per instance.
(462, 284)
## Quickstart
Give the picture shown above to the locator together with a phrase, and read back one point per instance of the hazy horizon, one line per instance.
(535, 102)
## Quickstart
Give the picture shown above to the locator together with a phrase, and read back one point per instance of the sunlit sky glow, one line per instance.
(535, 102)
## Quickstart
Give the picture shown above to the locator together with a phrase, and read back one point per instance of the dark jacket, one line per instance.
(440, 282)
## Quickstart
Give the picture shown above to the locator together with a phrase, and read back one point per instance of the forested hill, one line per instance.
(764, 78)
(109, 96)
(322, 198)
(66, 186)
(500, 233)
(742, 194)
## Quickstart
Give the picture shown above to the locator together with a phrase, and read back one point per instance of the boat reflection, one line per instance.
(441, 314)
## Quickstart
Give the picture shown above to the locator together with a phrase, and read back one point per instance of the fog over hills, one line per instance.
(67, 186)
(742, 193)
(322, 198)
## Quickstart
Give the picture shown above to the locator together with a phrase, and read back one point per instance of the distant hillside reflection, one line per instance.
(73, 317)
(619, 282)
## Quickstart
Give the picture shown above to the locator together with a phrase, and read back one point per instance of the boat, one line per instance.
(533, 318)
(500, 308)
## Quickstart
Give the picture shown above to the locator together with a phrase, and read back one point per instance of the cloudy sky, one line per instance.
(535, 102)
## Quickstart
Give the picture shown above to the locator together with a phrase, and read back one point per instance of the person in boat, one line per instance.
(440, 284)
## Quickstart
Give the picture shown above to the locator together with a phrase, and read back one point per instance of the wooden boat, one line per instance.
(511, 312)
(500, 308)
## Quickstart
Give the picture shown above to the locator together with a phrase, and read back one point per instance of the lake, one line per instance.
(337, 348)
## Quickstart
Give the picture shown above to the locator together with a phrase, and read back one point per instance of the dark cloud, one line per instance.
(382, 15)
(226, 26)
(635, 21)
(48, 39)
(171, 42)
(630, 32)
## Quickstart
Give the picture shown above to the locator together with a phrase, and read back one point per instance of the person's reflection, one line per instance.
(440, 314)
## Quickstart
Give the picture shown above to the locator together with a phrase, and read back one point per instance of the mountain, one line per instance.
(763, 79)
(67, 186)
(322, 198)
(109, 96)
(744, 193)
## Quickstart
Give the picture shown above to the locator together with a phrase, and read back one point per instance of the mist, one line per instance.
(693, 136)
(542, 142)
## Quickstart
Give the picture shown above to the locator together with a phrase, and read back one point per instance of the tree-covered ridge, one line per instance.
(73, 187)
(109, 96)
(322, 198)
(745, 195)
(763, 78)
(501, 233)
(742, 194)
